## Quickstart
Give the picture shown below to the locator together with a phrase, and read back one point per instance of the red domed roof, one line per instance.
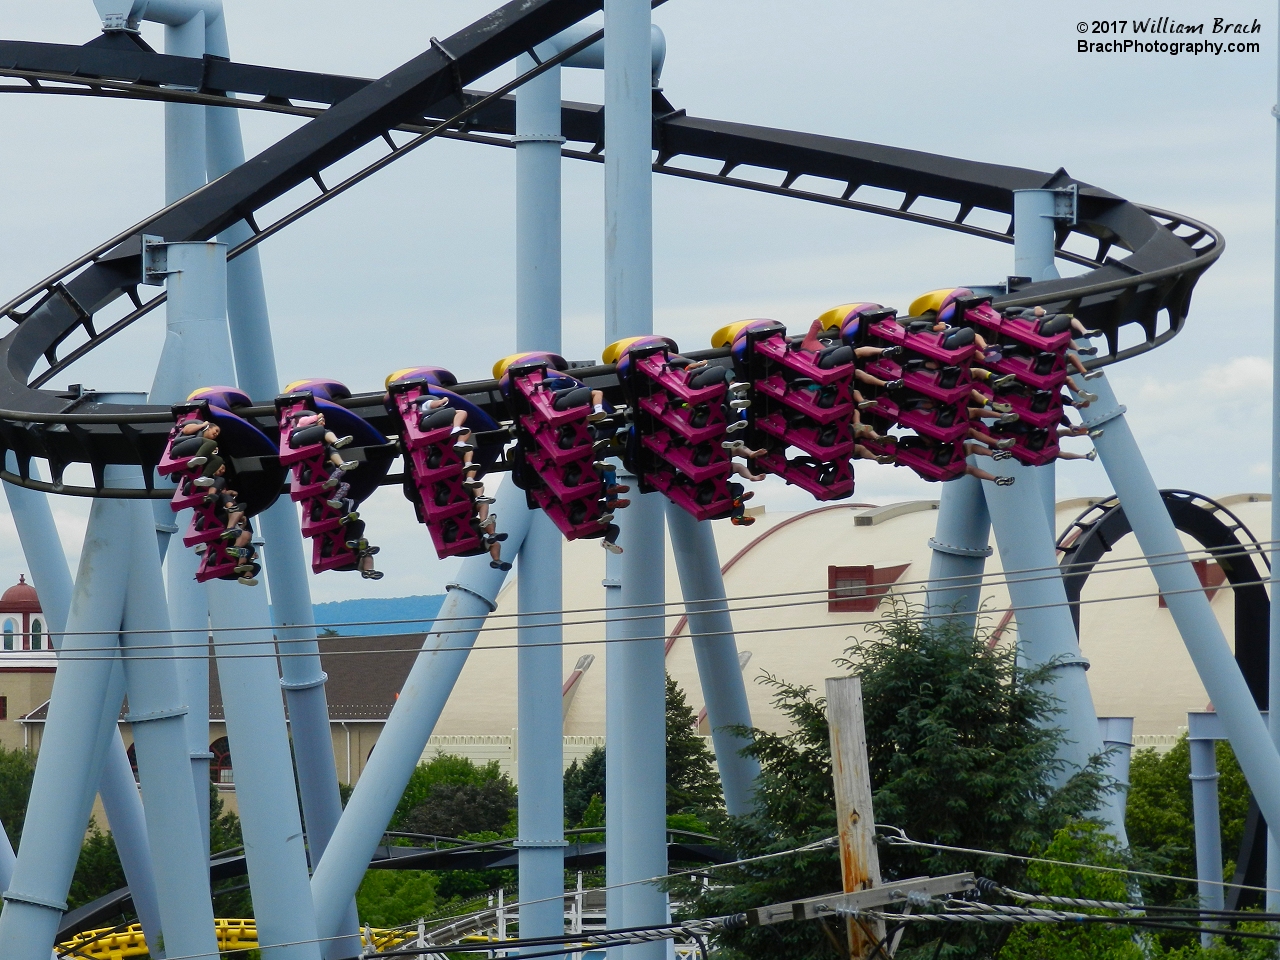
(20, 598)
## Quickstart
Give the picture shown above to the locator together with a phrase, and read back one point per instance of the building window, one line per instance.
(4, 708)
(858, 589)
(8, 634)
(220, 765)
(36, 629)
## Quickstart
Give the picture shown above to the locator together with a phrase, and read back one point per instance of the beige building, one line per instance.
(26, 661)
(803, 586)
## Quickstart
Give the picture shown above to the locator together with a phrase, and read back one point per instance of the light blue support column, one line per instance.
(716, 652)
(265, 790)
(541, 730)
(960, 546)
(283, 557)
(196, 353)
(157, 715)
(72, 749)
(1202, 736)
(1181, 589)
(47, 564)
(184, 129)
(444, 653)
(635, 718)
(1035, 216)
(635, 726)
(189, 621)
(540, 718)
(1117, 740)
(1046, 631)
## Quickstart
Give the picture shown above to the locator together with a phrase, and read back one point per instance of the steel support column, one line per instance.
(541, 730)
(265, 789)
(1202, 737)
(1185, 597)
(635, 727)
(716, 652)
(157, 715)
(635, 678)
(284, 559)
(960, 546)
(79, 723)
(1046, 632)
(47, 566)
(422, 697)
(540, 721)
(1117, 741)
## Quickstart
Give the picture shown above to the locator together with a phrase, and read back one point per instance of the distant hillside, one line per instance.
(350, 617)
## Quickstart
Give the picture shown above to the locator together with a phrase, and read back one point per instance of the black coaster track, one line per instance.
(1164, 254)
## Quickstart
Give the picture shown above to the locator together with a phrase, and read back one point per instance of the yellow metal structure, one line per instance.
(118, 944)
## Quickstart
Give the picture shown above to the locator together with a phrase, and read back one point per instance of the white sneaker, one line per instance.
(611, 547)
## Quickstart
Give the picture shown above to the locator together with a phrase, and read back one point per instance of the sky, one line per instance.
(416, 265)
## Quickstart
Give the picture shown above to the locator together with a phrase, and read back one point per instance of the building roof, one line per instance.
(20, 598)
(365, 676)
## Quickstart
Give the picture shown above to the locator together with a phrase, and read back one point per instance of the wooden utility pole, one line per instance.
(859, 859)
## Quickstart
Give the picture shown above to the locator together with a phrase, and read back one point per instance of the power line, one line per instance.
(899, 838)
(140, 651)
(718, 605)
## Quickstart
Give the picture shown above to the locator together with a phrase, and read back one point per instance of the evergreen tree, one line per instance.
(692, 783)
(961, 752)
(17, 770)
(583, 784)
(446, 775)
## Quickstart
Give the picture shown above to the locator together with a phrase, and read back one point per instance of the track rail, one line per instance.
(1150, 287)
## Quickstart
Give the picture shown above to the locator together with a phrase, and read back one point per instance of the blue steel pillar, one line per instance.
(79, 719)
(1210, 652)
(1035, 217)
(47, 564)
(960, 546)
(285, 561)
(635, 726)
(265, 790)
(196, 353)
(1202, 737)
(1117, 740)
(444, 653)
(541, 729)
(157, 716)
(540, 721)
(716, 653)
(1046, 631)
(635, 677)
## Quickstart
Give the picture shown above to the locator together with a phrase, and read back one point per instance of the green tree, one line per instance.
(692, 783)
(17, 770)
(442, 771)
(1159, 821)
(583, 783)
(962, 752)
(455, 809)
(1079, 842)
(961, 746)
(98, 869)
(389, 898)
(231, 896)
